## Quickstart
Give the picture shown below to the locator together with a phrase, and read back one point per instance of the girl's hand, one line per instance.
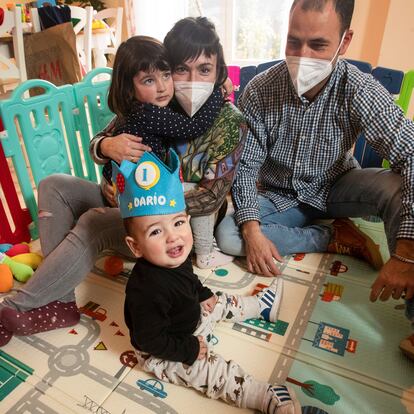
(209, 304)
(108, 193)
(203, 348)
(123, 147)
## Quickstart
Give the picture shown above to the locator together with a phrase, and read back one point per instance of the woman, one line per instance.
(208, 162)
(72, 234)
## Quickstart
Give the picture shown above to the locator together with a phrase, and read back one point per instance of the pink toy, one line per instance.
(18, 249)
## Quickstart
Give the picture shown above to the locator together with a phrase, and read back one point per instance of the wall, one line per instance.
(397, 46)
(370, 17)
(383, 30)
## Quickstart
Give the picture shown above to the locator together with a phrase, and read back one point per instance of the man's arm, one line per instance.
(260, 251)
(391, 135)
(396, 277)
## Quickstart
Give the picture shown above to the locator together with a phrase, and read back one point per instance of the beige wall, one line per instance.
(397, 49)
(383, 33)
(370, 17)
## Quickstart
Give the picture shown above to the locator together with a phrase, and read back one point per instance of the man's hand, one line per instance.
(260, 251)
(123, 147)
(209, 304)
(395, 278)
(203, 348)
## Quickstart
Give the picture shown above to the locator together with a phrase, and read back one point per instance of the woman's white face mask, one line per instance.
(192, 95)
(308, 72)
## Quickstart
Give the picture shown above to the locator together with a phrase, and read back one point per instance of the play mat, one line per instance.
(336, 349)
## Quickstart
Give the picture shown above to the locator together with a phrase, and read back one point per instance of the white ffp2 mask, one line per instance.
(192, 95)
(308, 72)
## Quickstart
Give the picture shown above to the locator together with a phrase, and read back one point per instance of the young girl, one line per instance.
(140, 91)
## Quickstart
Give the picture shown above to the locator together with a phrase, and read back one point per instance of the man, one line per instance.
(304, 115)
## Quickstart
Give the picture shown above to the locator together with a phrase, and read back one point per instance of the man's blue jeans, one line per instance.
(358, 193)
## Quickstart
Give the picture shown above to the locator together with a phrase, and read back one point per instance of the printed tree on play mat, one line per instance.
(314, 389)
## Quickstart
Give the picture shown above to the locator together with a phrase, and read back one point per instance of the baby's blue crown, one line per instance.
(149, 187)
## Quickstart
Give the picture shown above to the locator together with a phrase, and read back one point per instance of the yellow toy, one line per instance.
(30, 259)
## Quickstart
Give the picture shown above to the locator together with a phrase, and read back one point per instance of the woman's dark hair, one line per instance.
(138, 53)
(189, 38)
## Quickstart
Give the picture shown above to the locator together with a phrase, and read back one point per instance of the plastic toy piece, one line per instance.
(6, 278)
(19, 248)
(30, 259)
(4, 247)
(21, 272)
(113, 265)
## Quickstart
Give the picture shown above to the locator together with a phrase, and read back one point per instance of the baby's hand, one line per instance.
(203, 348)
(209, 304)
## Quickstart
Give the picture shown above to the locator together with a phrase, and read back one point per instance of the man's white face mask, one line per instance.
(308, 72)
(192, 95)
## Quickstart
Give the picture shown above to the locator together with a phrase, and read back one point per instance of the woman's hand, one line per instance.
(227, 88)
(123, 147)
(209, 304)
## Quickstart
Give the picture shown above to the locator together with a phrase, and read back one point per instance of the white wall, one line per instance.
(150, 23)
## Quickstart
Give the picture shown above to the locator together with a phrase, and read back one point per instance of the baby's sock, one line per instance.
(213, 259)
(269, 300)
(280, 399)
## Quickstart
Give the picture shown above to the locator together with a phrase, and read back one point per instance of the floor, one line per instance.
(336, 349)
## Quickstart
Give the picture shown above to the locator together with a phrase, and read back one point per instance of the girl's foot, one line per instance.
(213, 259)
(5, 335)
(54, 315)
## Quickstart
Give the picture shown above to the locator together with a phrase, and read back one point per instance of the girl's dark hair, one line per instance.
(189, 38)
(138, 53)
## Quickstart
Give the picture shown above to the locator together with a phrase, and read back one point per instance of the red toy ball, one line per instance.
(113, 265)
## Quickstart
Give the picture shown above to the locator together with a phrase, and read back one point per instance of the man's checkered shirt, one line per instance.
(295, 148)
